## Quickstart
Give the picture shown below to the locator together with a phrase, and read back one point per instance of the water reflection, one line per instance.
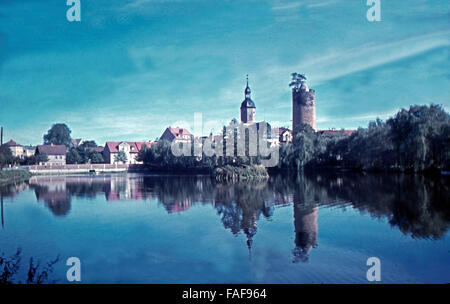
(417, 205)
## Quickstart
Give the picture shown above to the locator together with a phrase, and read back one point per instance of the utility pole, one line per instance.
(1, 144)
(3, 221)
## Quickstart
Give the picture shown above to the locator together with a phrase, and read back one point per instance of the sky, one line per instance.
(131, 68)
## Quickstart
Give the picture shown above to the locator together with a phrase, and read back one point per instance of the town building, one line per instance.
(335, 133)
(29, 151)
(56, 154)
(176, 134)
(285, 135)
(16, 149)
(131, 150)
(20, 151)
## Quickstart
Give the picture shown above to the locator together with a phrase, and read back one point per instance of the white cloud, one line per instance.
(339, 63)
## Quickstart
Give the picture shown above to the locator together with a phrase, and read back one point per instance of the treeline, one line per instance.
(414, 140)
(160, 157)
(59, 134)
(84, 154)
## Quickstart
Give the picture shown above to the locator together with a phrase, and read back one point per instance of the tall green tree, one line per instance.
(74, 157)
(59, 134)
(6, 156)
(89, 144)
(96, 158)
(40, 158)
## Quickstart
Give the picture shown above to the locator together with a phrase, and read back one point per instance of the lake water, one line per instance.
(132, 228)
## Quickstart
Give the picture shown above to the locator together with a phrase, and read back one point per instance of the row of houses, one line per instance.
(56, 154)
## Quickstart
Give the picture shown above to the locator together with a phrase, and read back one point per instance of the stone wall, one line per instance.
(303, 108)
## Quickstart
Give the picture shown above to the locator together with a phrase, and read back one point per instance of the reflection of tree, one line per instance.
(240, 206)
(57, 201)
(9, 190)
(417, 205)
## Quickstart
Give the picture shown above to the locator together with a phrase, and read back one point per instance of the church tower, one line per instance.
(248, 107)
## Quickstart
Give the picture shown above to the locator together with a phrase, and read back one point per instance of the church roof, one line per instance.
(248, 103)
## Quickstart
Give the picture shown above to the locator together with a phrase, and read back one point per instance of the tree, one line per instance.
(6, 156)
(96, 158)
(120, 157)
(74, 157)
(40, 158)
(59, 134)
(89, 144)
(415, 140)
(297, 80)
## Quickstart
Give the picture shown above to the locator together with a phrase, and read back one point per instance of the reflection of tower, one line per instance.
(306, 229)
(248, 107)
(305, 223)
(250, 232)
(303, 107)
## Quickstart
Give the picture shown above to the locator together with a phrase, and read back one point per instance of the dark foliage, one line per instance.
(414, 140)
(10, 267)
(59, 134)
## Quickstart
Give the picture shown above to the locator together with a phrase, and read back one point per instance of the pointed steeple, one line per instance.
(247, 90)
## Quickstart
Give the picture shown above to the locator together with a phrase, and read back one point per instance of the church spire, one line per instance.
(247, 90)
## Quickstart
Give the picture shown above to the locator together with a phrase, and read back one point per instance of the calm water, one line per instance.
(187, 229)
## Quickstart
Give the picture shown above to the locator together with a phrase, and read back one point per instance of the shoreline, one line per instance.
(21, 175)
(13, 176)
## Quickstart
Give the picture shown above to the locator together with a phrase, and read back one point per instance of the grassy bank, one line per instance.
(13, 176)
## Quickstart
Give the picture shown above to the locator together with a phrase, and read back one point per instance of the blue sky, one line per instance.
(130, 68)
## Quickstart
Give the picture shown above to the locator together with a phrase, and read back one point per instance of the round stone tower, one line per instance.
(303, 107)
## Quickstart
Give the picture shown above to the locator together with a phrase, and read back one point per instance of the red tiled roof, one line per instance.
(135, 147)
(51, 149)
(331, 133)
(148, 144)
(178, 131)
(12, 143)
